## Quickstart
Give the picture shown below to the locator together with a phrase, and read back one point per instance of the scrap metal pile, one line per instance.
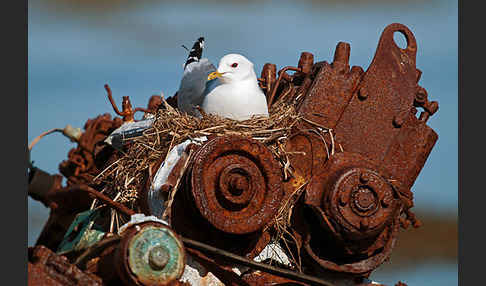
(326, 210)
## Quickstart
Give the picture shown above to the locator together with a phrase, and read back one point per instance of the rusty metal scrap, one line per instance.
(284, 273)
(352, 162)
(128, 112)
(358, 195)
(301, 78)
(86, 161)
(232, 190)
(331, 89)
(236, 184)
(47, 268)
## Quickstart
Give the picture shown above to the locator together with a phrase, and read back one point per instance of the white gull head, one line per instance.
(236, 94)
(235, 67)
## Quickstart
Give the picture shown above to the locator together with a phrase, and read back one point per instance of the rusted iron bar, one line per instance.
(253, 264)
(96, 249)
(119, 207)
(110, 97)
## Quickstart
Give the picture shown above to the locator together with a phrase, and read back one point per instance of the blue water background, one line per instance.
(74, 49)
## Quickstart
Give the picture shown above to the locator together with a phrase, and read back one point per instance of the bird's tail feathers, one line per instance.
(196, 52)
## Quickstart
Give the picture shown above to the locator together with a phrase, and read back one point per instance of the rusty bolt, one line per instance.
(158, 257)
(364, 199)
(363, 93)
(397, 121)
(364, 178)
(421, 95)
(306, 62)
(341, 57)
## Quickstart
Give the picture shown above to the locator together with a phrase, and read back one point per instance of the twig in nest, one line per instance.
(315, 123)
(107, 168)
(323, 140)
(283, 217)
(332, 141)
(167, 105)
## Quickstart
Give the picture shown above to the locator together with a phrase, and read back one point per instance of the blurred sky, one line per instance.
(75, 47)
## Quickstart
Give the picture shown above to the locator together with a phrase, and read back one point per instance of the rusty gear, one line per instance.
(236, 184)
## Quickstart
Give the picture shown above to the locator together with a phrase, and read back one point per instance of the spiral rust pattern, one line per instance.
(236, 184)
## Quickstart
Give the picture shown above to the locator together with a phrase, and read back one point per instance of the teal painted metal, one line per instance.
(155, 255)
(82, 233)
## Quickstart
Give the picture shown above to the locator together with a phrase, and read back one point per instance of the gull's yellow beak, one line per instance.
(214, 75)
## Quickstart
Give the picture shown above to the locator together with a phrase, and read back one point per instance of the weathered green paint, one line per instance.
(82, 233)
(155, 255)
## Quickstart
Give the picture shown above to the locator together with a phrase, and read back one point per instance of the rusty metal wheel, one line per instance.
(236, 184)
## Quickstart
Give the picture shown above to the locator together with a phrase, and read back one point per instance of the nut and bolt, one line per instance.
(363, 93)
(364, 178)
(158, 257)
(397, 121)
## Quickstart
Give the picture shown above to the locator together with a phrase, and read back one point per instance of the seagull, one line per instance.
(237, 94)
(230, 91)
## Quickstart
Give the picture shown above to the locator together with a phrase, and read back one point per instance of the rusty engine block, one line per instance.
(353, 183)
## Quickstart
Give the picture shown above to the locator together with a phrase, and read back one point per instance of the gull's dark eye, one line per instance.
(234, 65)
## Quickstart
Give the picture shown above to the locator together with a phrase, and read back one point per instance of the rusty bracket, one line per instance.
(128, 112)
(303, 69)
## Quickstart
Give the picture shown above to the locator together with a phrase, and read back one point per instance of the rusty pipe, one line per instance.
(108, 201)
(253, 264)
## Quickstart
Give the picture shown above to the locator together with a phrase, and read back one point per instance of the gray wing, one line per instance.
(193, 84)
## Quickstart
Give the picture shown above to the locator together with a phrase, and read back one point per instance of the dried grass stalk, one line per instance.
(172, 127)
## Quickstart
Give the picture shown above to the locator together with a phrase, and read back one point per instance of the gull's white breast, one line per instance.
(238, 101)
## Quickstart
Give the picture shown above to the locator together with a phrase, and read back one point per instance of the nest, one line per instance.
(124, 176)
(171, 127)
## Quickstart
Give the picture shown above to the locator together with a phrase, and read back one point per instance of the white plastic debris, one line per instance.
(195, 274)
(155, 200)
(275, 252)
(139, 218)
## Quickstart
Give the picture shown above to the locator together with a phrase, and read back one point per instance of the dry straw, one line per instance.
(171, 127)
